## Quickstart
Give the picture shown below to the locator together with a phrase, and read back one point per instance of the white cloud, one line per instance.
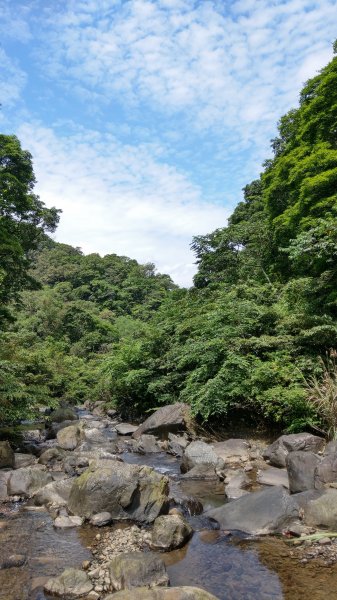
(224, 64)
(120, 199)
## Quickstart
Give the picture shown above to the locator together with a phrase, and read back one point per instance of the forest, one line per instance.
(253, 341)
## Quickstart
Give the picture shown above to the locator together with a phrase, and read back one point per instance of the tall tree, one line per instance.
(23, 219)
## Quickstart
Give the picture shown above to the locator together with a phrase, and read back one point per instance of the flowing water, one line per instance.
(228, 565)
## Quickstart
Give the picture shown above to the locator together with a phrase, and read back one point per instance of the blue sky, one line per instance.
(145, 118)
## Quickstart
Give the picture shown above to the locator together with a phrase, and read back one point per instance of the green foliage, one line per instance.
(23, 219)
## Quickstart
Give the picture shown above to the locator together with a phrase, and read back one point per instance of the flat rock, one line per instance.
(136, 569)
(173, 593)
(125, 428)
(170, 418)
(262, 512)
(273, 476)
(232, 449)
(72, 583)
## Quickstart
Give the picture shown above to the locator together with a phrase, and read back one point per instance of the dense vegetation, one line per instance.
(243, 342)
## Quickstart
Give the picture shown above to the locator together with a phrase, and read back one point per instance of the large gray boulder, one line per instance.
(170, 532)
(169, 418)
(174, 593)
(24, 460)
(72, 583)
(262, 512)
(200, 453)
(301, 470)
(276, 453)
(136, 569)
(55, 493)
(52, 456)
(4, 476)
(326, 471)
(7, 459)
(27, 481)
(319, 508)
(70, 437)
(126, 491)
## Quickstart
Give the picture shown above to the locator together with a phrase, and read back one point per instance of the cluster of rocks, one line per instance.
(77, 473)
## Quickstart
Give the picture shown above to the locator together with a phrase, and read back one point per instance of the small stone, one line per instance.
(86, 564)
(98, 536)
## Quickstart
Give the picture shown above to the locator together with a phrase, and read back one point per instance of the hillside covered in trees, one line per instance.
(245, 342)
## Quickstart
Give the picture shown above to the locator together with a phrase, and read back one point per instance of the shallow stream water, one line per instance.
(231, 567)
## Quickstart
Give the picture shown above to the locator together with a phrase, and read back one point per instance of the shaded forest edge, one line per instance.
(254, 340)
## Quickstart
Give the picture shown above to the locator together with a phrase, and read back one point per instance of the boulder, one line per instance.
(70, 437)
(55, 493)
(52, 457)
(173, 593)
(7, 458)
(4, 476)
(101, 519)
(54, 428)
(63, 414)
(124, 490)
(147, 444)
(177, 444)
(170, 532)
(326, 471)
(169, 418)
(262, 512)
(72, 583)
(136, 569)
(27, 481)
(330, 448)
(24, 460)
(233, 450)
(203, 471)
(125, 428)
(200, 453)
(276, 453)
(273, 476)
(319, 508)
(65, 522)
(301, 470)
